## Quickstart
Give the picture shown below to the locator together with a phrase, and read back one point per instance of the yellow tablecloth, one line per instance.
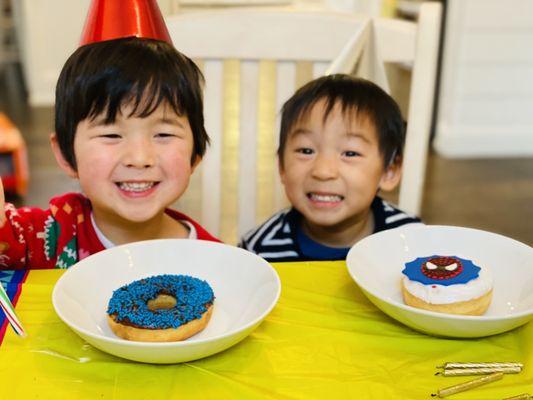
(323, 340)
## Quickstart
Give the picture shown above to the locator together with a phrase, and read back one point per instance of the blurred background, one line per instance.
(480, 164)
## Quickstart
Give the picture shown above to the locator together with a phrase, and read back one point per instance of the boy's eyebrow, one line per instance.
(358, 135)
(300, 131)
(98, 121)
(170, 121)
(101, 121)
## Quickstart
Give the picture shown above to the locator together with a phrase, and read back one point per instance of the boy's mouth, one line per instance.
(136, 187)
(325, 197)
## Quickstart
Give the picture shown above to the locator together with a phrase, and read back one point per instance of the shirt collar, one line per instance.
(108, 243)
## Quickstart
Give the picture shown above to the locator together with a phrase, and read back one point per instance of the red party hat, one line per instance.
(115, 19)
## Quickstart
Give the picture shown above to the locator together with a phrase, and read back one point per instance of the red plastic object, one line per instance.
(14, 158)
(114, 19)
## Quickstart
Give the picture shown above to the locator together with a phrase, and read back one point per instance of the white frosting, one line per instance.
(441, 294)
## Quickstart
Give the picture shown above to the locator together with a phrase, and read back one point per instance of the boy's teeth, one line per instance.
(325, 197)
(135, 186)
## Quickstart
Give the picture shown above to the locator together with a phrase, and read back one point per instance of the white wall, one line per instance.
(486, 99)
(48, 31)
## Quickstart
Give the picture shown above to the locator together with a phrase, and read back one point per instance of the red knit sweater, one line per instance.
(57, 237)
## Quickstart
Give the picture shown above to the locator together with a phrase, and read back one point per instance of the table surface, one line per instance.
(324, 339)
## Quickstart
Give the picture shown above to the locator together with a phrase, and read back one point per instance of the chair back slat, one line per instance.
(420, 108)
(211, 171)
(249, 95)
(285, 87)
(257, 34)
(396, 40)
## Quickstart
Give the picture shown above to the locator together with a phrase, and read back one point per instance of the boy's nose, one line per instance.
(139, 154)
(325, 167)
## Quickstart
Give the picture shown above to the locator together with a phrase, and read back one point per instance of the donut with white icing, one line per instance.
(447, 284)
(162, 308)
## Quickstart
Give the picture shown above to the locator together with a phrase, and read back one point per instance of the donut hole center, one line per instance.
(162, 302)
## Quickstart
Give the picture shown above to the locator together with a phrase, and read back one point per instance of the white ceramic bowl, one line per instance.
(376, 264)
(246, 288)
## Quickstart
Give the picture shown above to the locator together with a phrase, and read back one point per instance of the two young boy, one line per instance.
(129, 126)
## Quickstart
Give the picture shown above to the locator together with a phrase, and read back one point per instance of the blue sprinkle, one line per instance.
(129, 303)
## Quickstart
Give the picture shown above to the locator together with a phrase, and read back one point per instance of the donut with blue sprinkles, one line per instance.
(162, 308)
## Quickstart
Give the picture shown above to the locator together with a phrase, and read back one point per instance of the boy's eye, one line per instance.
(305, 150)
(164, 135)
(351, 153)
(110, 136)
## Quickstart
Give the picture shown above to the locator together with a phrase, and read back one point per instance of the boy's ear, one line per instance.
(65, 166)
(391, 176)
(195, 163)
(281, 171)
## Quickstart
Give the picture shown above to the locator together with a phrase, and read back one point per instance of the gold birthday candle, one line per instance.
(454, 365)
(479, 371)
(523, 396)
(468, 385)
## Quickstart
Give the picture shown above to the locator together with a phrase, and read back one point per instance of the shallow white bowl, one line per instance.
(376, 263)
(246, 288)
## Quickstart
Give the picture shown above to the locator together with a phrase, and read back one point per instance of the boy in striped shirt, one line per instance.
(341, 142)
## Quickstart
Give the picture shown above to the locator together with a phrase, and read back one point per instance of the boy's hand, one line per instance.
(2, 203)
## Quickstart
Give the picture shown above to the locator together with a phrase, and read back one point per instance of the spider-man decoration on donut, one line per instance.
(442, 268)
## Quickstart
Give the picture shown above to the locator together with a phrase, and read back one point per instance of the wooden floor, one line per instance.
(490, 194)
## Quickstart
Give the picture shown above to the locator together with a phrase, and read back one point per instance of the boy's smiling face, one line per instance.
(333, 168)
(134, 168)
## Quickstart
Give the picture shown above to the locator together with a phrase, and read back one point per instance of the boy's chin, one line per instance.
(138, 216)
(324, 221)
(141, 218)
(331, 220)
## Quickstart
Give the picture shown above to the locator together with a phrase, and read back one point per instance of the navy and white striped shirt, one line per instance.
(281, 239)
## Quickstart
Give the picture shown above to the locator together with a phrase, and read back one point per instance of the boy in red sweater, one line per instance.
(129, 126)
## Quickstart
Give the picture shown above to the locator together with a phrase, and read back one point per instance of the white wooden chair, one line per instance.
(262, 55)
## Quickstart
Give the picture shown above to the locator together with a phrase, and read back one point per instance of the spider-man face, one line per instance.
(442, 268)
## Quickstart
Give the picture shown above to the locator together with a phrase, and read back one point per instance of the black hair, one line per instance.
(354, 95)
(105, 76)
